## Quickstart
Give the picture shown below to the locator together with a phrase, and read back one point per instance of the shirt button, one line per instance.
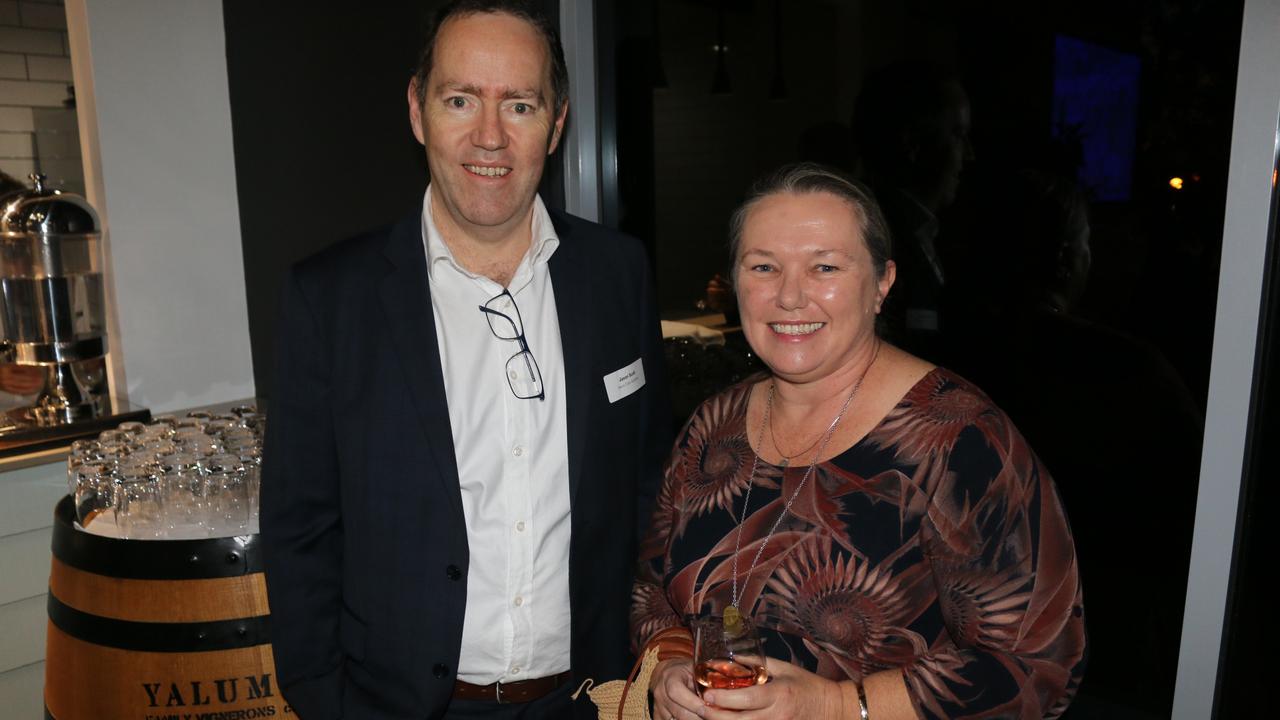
(515, 669)
(517, 450)
(520, 526)
(453, 573)
(440, 670)
(512, 374)
(519, 601)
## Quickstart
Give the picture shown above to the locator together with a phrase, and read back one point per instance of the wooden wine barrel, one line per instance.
(157, 629)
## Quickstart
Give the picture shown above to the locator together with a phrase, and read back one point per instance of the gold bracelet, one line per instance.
(862, 702)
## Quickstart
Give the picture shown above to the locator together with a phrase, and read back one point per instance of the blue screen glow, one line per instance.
(1095, 99)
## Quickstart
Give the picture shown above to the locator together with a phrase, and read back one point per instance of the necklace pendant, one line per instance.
(732, 620)
(786, 461)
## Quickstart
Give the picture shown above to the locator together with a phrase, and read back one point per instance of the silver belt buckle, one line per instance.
(497, 692)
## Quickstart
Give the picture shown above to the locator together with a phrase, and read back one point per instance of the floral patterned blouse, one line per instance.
(937, 544)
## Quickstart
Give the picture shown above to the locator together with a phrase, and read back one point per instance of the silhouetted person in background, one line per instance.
(1112, 421)
(911, 127)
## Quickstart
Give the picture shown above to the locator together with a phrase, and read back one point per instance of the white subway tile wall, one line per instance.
(38, 129)
(18, 168)
(15, 691)
(42, 67)
(32, 94)
(26, 621)
(13, 66)
(16, 145)
(23, 578)
(9, 13)
(28, 40)
(16, 119)
(43, 15)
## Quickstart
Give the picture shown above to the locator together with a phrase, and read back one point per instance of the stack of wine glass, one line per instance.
(175, 478)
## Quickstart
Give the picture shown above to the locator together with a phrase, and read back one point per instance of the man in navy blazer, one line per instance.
(468, 417)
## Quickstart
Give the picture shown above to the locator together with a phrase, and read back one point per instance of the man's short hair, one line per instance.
(515, 8)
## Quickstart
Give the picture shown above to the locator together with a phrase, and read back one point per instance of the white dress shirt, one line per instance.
(513, 462)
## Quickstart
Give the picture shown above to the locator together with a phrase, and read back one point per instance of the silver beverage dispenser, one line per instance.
(52, 310)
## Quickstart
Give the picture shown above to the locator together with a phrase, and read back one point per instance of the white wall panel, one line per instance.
(21, 692)
(24, 565)
(27, 497)
(23, 624)
(155, 116)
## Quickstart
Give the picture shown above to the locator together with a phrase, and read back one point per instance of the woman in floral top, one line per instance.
(897, 543)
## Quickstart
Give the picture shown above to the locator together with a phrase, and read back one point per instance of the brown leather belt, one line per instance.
(521, 691)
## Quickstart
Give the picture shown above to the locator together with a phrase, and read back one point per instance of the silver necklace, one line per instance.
(746, 501)
(786, 459)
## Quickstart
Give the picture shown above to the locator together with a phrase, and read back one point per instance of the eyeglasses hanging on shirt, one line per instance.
(523, 375)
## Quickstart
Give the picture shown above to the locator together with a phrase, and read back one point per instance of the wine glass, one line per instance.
(183, 486)
(727, 652)
(94, 491)
(226, 489)
(140, 507)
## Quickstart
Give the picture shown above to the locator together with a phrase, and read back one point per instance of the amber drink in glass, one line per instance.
(727, 654)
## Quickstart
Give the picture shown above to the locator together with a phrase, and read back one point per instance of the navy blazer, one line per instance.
(362, 523)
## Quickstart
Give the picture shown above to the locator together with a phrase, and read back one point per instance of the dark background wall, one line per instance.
(322, 139)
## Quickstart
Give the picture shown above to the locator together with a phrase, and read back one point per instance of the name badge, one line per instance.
(622, 383)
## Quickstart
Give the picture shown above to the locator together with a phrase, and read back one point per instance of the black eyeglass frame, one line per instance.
(524, 352)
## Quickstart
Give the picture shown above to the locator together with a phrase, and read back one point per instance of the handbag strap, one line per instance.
(631, 678)
(671, 643)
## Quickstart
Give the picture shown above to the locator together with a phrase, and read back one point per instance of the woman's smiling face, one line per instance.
(808, 291)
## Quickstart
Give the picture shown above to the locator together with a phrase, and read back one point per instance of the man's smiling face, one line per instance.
(488, 120)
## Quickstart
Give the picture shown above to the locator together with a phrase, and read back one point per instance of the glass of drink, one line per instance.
(93, 493)
(251, 459)
(227, 493)
(154, 449)
(197, 442)
(243, 410)
(82, 451)
(218, 426)
(140, 509)
(727, 652)
(132, 428)
(111, 437)
(156, 431)
(183, 485)
(258, 423)
(239, 438)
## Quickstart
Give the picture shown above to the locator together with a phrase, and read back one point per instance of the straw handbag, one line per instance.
(629, 699)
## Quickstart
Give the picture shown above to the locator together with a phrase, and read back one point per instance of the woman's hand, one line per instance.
(791, 693)
(672, 688)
